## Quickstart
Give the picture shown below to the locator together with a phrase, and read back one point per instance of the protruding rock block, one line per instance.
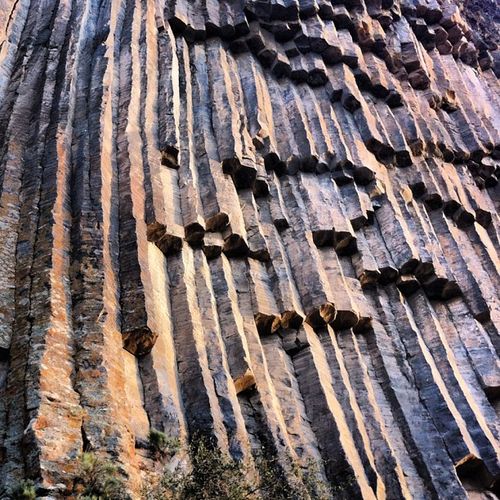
(419, 79)
(345, 243)
(341, 178)
(243, 174)
(267, 324)
(483, 217)
(440, 288)
(281, 224)
(244, 382)
(363, 175)
(169, 157)
(403, 158)
(261, 255)
(272, 162)
(418, 189)
(349, 101)
(394, 99)
(345, 319)
(194, 234)
(217, 223)
(342, 18)
(238, 46)
(169, 244)
(212, 246)
(407, 284)
(140, 341)
(323, 237)
(363, 325)
(261, 187)
(369, 279)
(316, 77)
(235, 246)
(267, 57)
(444, 47)
(291, 320)
(388, 274)
(155, 231)
(424, 270)
(308, 164)
(382, 151)
(281, 67)
(321, 316)
(433, 201)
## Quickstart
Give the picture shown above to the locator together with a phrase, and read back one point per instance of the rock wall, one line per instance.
(274, 222)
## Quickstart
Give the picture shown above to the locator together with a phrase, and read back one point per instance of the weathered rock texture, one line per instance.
(274, 222)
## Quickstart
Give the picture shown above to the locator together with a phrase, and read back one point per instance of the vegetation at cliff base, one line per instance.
(98, 479)
(215, 475)
(23, 490)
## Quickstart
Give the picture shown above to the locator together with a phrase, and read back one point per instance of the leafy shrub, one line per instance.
(214, 475)
(343, 481)
(160, 444)
(98, 479)
(23, 490)
(294, 483)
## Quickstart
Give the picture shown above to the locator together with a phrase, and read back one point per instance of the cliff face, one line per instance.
(274, 222)
(483, 17)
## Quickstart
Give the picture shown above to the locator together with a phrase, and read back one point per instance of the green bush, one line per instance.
(214, 475)
(23, 490)
(160, 444)
(293, 483)
(98, 479)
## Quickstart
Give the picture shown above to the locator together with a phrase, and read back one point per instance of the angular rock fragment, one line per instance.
(169, 244)
(407, 284)
(344, 243)
(266, 323)
(194, 233)
(321, 316)
(235, 246)
(243, 174)
(324, 237)
(217, 223)
(155, 231)
(245, 382)
(212, 247)
(433, 201)
(291, 320)
(169, 157)
(139, 342)
(261, 188)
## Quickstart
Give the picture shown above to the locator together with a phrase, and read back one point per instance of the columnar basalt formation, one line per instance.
(273, 222)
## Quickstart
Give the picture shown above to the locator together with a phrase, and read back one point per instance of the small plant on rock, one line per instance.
(98, 479)
(161, 444)
(23, 490)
